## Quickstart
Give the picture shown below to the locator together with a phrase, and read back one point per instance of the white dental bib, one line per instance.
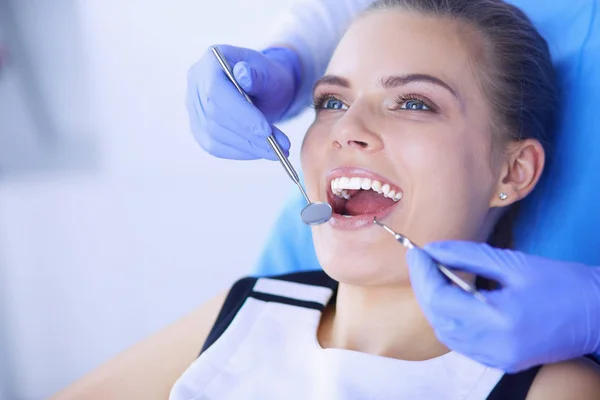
(264, 346)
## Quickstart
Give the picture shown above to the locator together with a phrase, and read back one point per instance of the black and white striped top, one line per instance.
(264, 346)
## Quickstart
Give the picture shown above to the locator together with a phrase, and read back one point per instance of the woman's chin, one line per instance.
(363, 243)
(364, 257)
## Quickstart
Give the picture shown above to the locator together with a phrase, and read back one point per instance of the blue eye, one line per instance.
(415, 105)
(327, 101)
(334, 104)
(415, 102)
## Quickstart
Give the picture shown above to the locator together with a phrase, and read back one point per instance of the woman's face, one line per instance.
(399, 105)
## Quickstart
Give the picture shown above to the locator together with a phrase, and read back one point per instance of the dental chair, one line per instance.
(561, 217)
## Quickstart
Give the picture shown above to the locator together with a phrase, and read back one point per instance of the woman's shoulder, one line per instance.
(261, 288)
(577, 379)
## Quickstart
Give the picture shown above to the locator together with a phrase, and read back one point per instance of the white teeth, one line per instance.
(340, 187)
(344, 183)
(366, 184)
(385, 189)
(376, 186)
(355, 183)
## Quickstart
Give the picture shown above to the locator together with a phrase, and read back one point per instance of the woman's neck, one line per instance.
(385, 321)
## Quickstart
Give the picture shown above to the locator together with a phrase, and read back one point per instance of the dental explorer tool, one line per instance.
(313, 213)
(464, 285)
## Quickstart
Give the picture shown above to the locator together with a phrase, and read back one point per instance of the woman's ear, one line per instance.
(522, 171)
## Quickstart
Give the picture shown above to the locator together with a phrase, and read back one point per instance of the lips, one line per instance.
(340, 221)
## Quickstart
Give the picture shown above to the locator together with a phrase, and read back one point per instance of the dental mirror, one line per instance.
(314, 213)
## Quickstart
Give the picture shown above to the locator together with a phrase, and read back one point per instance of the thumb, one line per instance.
(442, 302)
(252, 78)
(426, 280)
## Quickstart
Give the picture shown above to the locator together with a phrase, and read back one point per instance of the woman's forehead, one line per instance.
(392, 43)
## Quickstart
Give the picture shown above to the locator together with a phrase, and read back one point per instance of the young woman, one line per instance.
(432, 116)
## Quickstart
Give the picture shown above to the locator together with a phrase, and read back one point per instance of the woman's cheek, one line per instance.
(311, 152)
(313, 145)
(419, 152)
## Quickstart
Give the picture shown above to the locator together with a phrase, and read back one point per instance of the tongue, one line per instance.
(367, 202)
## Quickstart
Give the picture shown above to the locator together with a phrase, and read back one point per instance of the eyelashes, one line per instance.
(405, 102)
(411, 100)
(320, 99)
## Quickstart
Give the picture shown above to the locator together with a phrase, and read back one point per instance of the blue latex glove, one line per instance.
(547, 311)
(222, 121)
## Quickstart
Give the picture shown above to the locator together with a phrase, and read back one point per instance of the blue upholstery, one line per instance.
(561, 218)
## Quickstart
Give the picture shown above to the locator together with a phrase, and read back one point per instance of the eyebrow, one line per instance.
(332, 80)
(400, 80)
(389, 82)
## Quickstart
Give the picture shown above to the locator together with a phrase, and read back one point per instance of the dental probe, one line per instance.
(313, 213)
(464, 285)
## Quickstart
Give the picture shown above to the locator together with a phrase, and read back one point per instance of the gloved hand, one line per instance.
(222, 121)
(546, 311)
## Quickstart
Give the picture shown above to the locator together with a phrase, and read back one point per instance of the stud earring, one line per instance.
(502, 196)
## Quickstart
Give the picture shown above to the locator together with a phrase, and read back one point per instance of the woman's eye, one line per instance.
(414, 105)
(333, 104)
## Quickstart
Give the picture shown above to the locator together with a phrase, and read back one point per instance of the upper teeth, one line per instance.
(339, 187)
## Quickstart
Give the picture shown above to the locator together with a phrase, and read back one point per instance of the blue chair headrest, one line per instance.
(561, 218)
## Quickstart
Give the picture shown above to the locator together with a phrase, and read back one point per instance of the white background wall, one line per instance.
(94, 260)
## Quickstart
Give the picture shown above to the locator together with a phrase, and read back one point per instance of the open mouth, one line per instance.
(359, 198)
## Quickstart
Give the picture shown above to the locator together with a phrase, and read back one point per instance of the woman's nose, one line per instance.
(354, 130)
